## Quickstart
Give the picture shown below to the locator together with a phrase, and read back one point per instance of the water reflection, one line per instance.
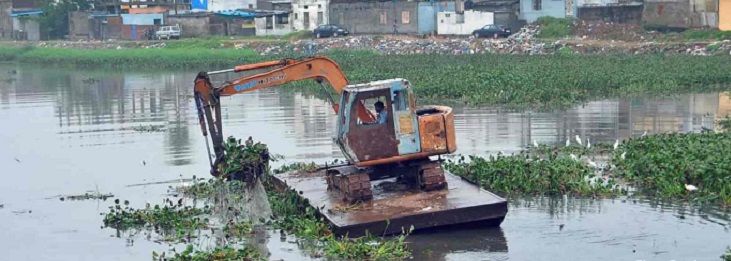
(66, 126)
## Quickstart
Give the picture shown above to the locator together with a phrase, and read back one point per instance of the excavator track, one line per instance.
(353, 184)
(431, 177)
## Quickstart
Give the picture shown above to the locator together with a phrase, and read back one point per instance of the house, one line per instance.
(376, 17)
(453, 23)
(25, 27)
(531, 10)
(134, 26)
(724, 15)
(426, 15)
(141, 6)
(274, 23)
(222, 5)
(506, 12)
(308, 14)
(614, 11)
(682, 14)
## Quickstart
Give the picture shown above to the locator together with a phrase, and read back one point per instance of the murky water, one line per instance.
(69, 132)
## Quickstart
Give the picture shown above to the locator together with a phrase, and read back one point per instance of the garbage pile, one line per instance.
(610, 31)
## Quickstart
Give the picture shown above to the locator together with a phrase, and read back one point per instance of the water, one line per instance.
(64, 134)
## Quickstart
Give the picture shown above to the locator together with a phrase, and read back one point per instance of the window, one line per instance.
(342, 18)
(295, 16)
(405, 17)
(157, 21)
(370, 104)
(537, 5)
(384, 18)
(306, 7)
(400, 101)
(283, 19)
(319, 17)
(251, 6)
(270, 25)
(319, 6)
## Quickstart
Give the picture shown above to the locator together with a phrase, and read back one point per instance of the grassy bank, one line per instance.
(489, 79)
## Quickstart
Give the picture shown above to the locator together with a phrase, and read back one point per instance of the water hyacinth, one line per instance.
(690, 165)
(525, 174)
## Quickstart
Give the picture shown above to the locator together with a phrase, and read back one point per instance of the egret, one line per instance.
(535, 144)
(592, 164)
(574, 157)
(616, 144)
(568, 142)
(624, 154)
(578, 140)
(643, 134)
(588, 143)
(690, 187)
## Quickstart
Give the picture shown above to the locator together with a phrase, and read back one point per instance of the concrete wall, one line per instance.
(427, 15)
(276, 29)
(191, 26)
(724, 15)
(553, 8)
(311, 8)
(6, 24)
(614, 14)
(669, 13)
(79, 26)
(449, 23)
(142, 19)
(376, 17)
(30, 27)
(221, 5)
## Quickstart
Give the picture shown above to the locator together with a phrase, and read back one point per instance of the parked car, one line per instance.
(168, 32)
(493, 30)
(326, 30)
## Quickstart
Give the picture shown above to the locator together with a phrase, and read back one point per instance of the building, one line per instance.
(25, 27)
(610, 11)
(506, 12)
(427, 15)
(375, 17)
(223, 5)
(141, 6)
(308, 14)
(531, 10)
(84, 25)
(724, 15)
(274, 23)
(134, 26)
(682, 14)
(452, 23)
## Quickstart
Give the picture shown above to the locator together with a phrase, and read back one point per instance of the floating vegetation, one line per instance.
(727, 255)
(226, 253)
(87, 196)
(172, 220)
(599, 148)
(528, 174)
(693, 166)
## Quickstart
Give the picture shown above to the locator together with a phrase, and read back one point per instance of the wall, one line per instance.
(6, 24)
(150, 10)
(221, 5)
(669, 13)
(427, 15)
(547, 8)
(724, 15)
(135, 32)
(277, 28)
(30, 27)
(376, 17)
(448, 24)
(615, 14)
(79, 26)
(142, 19)
(191, 26)
(312, 7)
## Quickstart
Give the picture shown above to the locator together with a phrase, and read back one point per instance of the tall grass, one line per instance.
(552, 27)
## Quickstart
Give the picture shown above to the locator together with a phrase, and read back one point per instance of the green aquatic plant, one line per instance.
(171, 220)
(693, 166)
(724, 124)
(226, 253)
(88, 196)
(529, 174)
(727, 255)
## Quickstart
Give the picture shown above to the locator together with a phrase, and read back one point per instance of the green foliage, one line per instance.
(238, 229)
(706, 35)
(727, 256)
(226, 253)
(9, 53)
(663, 164)
(247, 160)
(298, 35)
(174, 221)
(525, 174)
(552, 27)
(724, 123)
(55, 18)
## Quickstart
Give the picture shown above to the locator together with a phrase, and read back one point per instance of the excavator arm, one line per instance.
(208, 102)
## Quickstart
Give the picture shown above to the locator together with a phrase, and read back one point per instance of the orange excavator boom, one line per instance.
(207, 97)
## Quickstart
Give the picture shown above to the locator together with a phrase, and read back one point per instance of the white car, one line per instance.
(168, 32)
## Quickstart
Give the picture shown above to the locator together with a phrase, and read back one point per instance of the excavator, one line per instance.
(400, 146)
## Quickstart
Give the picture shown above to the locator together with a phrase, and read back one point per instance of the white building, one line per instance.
(279, 23)
(451, 23)
(222, 5)
(308, 14)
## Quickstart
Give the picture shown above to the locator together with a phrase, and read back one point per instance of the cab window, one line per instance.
(370, 104)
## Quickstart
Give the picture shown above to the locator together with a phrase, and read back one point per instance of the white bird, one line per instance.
(578, 140)
(573, 157)
(588, 143)
(624, 154)
(690, 187)
(592, 164)
(643, 134)
(568, 142)
(616, 144)
(535, 144)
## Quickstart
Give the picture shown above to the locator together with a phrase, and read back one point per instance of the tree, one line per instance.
(55, 19)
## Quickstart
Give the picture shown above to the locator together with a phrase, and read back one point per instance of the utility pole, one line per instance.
(175, 3)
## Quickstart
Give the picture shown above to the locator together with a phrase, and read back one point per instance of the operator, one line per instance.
(382, 114)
